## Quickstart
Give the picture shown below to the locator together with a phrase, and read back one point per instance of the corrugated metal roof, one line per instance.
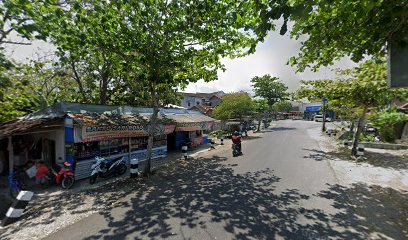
(190, 118)
(60, 109)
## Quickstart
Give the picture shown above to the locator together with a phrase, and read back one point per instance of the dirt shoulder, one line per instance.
(385, 168)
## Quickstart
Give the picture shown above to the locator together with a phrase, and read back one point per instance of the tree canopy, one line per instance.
(282, 106)
(235, 106)
(363, 86)
(360, 89)
(34, 85)
(16, 18)
(161, 44)
(335, 28)
(269, 88)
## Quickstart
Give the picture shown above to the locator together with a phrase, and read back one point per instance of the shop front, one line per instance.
(192, 133)
(78, 132)
(26, 142)
(93, 137)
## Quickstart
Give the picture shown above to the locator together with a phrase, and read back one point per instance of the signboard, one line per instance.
(188, 127)
(98, 133)
(313, 108)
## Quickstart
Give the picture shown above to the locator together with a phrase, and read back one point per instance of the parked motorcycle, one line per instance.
(104, 168)
(62, 176)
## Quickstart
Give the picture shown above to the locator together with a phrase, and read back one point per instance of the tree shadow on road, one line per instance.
(205, 192)
(384, 160)
(380, 212)
(43, 210)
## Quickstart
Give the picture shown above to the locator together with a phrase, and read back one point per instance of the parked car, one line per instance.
(319, 118)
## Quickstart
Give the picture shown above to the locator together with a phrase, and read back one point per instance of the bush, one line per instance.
(367, 138)
(217, 134)
(386, 122)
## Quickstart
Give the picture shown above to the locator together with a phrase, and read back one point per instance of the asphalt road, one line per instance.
(282, 187)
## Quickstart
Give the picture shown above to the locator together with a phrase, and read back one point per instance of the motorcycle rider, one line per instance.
(236, 138)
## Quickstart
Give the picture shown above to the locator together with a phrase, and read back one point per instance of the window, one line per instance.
(198, 103)
(188, 103)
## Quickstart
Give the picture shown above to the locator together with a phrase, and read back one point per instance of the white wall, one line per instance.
(60, 145)
(193, 101)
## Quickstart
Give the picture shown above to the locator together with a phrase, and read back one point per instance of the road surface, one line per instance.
(283, 187)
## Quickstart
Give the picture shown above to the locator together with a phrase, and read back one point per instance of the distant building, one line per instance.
(207, 110)
(208, 99)
(203, 102)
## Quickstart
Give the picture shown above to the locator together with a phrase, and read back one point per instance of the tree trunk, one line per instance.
(104, 90)
(358, 132)
(351, 132)
(324, 118)
(259, 122)
(266, 119)
(151, 130)
(78, 80)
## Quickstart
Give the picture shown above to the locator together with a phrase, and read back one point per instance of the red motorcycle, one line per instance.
(64, 176)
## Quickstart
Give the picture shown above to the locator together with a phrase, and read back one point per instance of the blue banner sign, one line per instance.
(313, 108)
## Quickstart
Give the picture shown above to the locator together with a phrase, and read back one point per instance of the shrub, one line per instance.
(386, 122)
(367, 138)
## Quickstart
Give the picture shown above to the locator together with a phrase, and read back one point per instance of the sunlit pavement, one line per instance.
(281, 187)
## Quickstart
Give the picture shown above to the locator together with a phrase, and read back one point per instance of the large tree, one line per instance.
(283, 106)
(333, 29)
(156, 46)
(271, 89)
(261, 108)
(360, 89)
(17, 28)
(34, 85)
(235, 106)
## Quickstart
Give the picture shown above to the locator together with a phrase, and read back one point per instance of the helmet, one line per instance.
(67, 164)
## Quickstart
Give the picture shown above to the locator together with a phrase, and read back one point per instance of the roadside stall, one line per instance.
(77, 133)
(113, 136)
(190, 126)
(29, 140)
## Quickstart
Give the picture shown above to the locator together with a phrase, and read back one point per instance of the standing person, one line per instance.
(41, 174)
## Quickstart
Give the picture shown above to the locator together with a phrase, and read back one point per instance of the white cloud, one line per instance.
(270, 57)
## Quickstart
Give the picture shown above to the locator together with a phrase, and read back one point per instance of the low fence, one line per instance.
(390, 146)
